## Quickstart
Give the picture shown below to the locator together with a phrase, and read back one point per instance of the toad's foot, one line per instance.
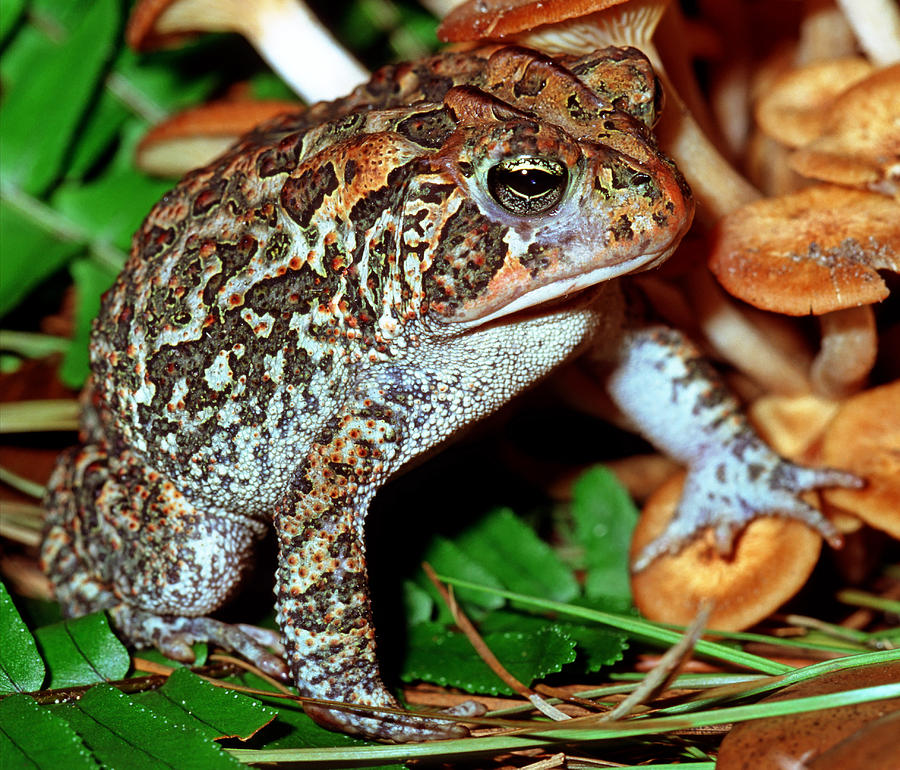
(406, 728)
(173, 637)
(726, 496)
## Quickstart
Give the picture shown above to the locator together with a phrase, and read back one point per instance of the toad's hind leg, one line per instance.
(122, 538)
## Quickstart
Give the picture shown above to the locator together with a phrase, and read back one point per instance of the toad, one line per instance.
(345, 289)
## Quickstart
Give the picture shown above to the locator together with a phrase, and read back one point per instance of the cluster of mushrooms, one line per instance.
(809, 226)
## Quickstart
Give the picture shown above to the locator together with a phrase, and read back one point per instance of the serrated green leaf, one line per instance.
(21, 667)
(597, 647)
(447, 558)
(214, 712)
(82, 651)
(292, 728)
(33, 151)
(447, 658)
(123, 734)
(33, 737)
(604, 518)
(510, 550)
(91, 280)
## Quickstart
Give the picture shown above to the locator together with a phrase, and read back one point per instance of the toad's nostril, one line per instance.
(639, 179)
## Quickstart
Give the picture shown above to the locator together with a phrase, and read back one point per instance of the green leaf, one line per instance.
(124, 734)
(214, 712)
(21, 668)
(10, 11)
(97, 135)
(91, 280)
(506, 547)
(111, 208)
(447, 658)
(597, 647)
(82, 651)
(33, 151)
(604, 517)
(418, 603)
(447, 558)
(30, 253)
(292, 728)
(33, 737)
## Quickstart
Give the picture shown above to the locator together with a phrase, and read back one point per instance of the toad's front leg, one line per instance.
(676, 399)
(321, 584)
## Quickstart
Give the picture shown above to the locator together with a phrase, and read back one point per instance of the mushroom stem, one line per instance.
(717, 186)
(771, 356)
(847, 355)
(303, 52)
(876, 24)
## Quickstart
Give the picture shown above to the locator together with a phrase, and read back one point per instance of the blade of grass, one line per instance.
(863, 599)
(636, 626)
(39, 415)
(26, 486)
(543, 734)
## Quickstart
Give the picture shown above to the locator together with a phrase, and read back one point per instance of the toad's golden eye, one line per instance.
(527, 185)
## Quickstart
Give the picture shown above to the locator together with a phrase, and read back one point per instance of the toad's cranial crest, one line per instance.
(341, 291)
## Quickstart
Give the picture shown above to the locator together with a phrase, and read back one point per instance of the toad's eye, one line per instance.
(527, 185)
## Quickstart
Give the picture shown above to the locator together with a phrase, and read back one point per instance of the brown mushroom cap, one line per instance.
(771, 561)
(858, 143)
(813, 251)
(864, 438)
(794, 109)
(478, 19)
(194, 137)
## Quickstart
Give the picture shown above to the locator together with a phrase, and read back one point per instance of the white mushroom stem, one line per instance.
(876, 24)
(286, 34)
(765, 348)
(848, 352)
(440, 8)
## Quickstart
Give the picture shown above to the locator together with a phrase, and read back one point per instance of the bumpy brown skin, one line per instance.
(340, 292)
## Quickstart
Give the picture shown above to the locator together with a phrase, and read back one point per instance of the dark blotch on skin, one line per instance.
(302, 196)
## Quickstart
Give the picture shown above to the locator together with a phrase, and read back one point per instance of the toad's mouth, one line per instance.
(570, 292)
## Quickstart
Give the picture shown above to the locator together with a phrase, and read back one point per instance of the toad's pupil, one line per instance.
(530, 182)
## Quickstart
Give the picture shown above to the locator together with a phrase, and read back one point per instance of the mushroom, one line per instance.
(858, 141)
(864, 437)
(792, 425)
(194, 137)
(285, 32)
(815, 251)
(580, 26)
(824, 33)
(771, 561)
(876, 24)
(793, 109)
